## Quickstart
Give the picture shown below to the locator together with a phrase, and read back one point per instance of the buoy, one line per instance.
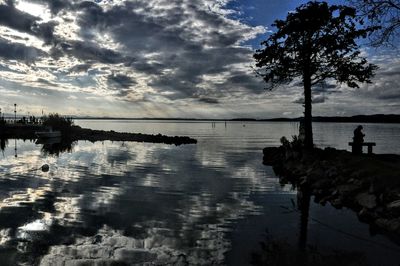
(45, 168)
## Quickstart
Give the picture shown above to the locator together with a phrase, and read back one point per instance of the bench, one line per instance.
(368, 144)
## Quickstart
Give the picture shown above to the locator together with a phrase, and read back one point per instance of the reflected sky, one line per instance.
(133, 202)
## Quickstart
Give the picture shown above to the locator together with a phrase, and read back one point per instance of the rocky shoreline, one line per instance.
(367, 184)
(76, 133)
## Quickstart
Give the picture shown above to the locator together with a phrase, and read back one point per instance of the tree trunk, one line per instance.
(308, 139)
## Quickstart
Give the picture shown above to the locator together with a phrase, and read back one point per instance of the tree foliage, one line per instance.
(58, 122)
(383, 14)
(315, 43)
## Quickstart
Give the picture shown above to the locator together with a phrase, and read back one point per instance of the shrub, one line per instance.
(295, 144)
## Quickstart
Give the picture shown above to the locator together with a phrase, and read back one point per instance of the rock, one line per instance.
(322, 184)
(394, 205)
(347, 189)
(381, 197)
(363, 214)
(316, 174)
(298, 170)
(303, 180)
(366, 215)
(337, 203)
(356, 174)
(324, 200)
(342, 179)
(371, 189)
(332, 172)
(296, 155)
(272, 155)
(359, 183)
(391, 225)
(351, 181)
(366, 200)
(379, 210)
(394, 208)
(318, 193)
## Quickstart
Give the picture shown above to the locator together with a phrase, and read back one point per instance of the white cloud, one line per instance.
(165, 57)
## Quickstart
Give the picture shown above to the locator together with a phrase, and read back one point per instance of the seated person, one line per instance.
(358, 139)
(358, 135)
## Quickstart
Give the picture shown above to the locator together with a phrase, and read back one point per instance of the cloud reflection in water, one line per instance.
(130, 202)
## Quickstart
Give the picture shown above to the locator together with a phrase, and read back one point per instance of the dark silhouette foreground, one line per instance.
(369, 185)
(316, 43)
(358, 140)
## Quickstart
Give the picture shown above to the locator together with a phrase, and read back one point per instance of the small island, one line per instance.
(27, 129)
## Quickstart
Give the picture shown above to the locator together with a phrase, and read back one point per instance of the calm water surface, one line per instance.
(138, 203)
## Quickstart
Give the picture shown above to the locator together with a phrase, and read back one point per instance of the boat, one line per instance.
(48, 134)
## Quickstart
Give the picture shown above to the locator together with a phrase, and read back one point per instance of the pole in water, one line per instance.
(15, 112)
(15, 148)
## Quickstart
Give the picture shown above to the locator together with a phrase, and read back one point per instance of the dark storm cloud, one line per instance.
(80, 68)
(88, 51)
(178, 49)
(385, 85)
(395, 96)
(319, 99)
(325, 88)
(177, 45)
(18, 51)
(24, 22)
(146, 67)
(45, 31)
(120, 81)
(55, 6)
(321, 88)
(209, 100)
(391, 73)
(192, 65)
(246, 81)
(16, 19)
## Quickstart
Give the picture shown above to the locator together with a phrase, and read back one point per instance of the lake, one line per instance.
(142, 203)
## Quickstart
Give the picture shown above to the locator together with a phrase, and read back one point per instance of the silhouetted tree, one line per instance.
(57, 122)
(316, 42)
(384, 14)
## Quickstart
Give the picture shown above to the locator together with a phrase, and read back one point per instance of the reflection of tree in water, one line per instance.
(3, 144)
(57, 147)
(278, 252)
(275, 252)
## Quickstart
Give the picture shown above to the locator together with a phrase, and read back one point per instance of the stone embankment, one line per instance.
(76, 133)
(367, 184)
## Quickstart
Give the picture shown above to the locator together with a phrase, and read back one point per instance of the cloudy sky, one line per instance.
(161, 58)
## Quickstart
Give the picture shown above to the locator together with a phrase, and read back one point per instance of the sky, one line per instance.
(162, 58)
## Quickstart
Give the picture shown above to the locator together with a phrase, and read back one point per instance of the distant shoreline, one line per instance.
(378, 118)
